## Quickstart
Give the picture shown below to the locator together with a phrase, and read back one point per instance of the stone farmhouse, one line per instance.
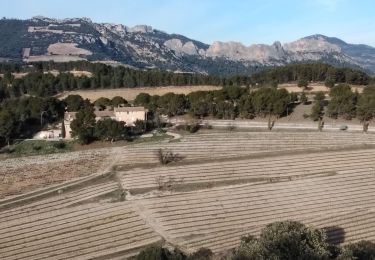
(129, 115)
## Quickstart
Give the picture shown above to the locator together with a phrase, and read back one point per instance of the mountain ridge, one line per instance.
(42, 39)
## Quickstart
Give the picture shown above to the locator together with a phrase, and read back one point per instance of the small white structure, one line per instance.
(129, 115)
(48, 135)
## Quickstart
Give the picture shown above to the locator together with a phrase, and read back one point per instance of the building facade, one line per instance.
(128, 115)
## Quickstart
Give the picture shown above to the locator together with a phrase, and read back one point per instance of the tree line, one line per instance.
(227, 103)
(314, 72)
(346, 103)
(27, 103)
(21, 117)
(38, 82)
(279, 240)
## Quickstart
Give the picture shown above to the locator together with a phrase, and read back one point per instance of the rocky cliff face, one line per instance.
(144, 47)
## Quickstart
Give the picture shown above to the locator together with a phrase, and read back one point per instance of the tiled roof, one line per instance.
(128, 109)
(72, 115)
(104, 113)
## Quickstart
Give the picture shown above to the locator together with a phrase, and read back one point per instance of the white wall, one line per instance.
(129, 117)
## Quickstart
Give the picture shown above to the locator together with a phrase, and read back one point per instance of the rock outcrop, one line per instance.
(144, 47)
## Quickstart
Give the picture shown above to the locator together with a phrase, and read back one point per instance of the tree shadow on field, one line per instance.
(335, 235)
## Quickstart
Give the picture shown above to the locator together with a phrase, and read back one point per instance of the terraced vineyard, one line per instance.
(209, 146)
(226, 185)
(200, 218)
(20, 175)
(76, 225)
(257, 171)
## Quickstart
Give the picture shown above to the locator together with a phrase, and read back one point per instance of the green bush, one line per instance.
(157, 252)
(284, 240)
(37, 147)
(59, 145)
(191, 128)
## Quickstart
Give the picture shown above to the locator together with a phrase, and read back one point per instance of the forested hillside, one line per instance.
(38, 82)
(23, 99)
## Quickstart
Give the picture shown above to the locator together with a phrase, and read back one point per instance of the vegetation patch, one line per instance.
(36, 147)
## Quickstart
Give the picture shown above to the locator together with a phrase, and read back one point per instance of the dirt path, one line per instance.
(156, 226)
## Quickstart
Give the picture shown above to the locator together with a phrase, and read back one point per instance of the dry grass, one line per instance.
(70, 49)
(314, 87)
(131, 93)
(55, 58)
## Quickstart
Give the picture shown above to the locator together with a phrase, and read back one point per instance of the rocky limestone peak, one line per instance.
(59, 21)
(277, 45)
(180, 48)
(141, 29)
(315, 43)
(238, 51)
(118, 29)
(43, 19)
(142, 46)
(77, 20)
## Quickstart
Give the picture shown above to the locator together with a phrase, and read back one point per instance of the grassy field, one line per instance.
(131, 93)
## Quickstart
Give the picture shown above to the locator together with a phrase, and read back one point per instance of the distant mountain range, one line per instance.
(44, 39)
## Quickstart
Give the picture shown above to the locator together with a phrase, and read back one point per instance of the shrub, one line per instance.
(360, 250)
(157, 252)
(303, 98)
(302, 83)
(191, 128)
(37, 147)
(59, 145)
(285, 240)
(201, 254)
(166, 157)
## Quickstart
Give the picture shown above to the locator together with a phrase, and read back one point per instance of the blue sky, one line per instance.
(246, 21)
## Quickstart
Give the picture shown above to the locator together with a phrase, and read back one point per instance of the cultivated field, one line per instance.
(225, 184)
(131, 93)
(20, 175)
(80, 224)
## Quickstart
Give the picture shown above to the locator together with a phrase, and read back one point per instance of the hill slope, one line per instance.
(43, 39)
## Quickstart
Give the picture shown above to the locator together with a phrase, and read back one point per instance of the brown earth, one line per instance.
(20, 175)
